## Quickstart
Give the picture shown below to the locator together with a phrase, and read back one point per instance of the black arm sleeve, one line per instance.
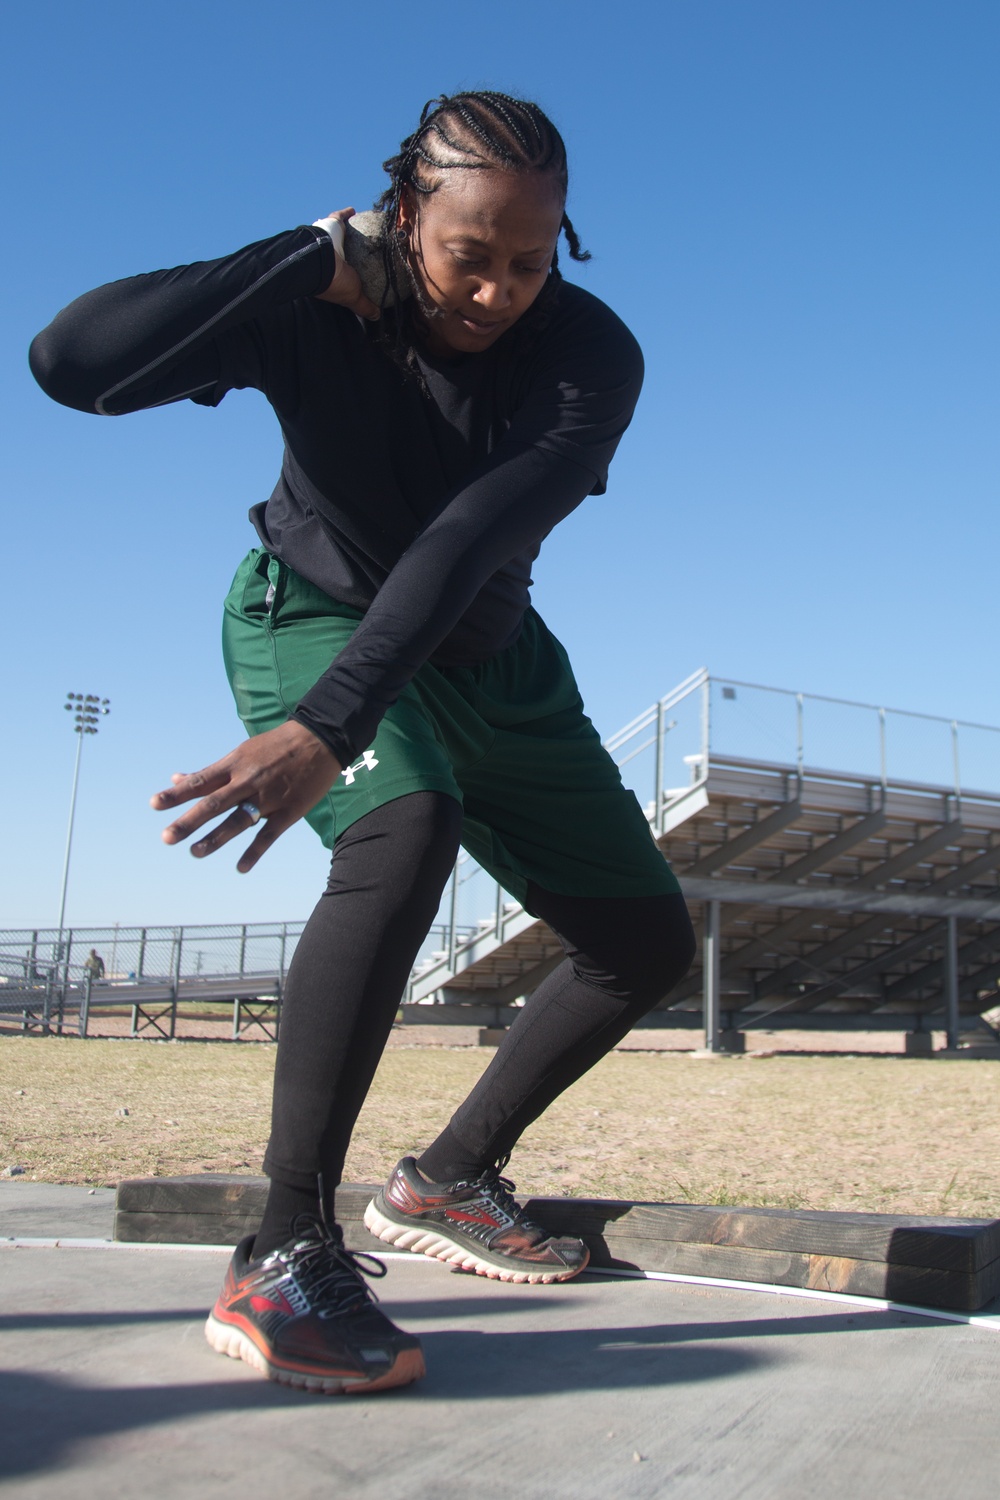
(556, 453)
(190, 332)
(428, 591)
(152, 339)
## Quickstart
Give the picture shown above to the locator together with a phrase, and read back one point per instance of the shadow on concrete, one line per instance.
(35, 1322)
(404, 1312)
(45, 1418)
(513, 1300)
(589, 1359)
(401, 1311)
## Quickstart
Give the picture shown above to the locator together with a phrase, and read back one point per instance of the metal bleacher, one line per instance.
(862, 898)
(824, 899)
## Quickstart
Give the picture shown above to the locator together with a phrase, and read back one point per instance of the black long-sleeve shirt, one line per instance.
(423, 508)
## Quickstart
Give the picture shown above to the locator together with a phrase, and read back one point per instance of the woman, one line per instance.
(398, 688)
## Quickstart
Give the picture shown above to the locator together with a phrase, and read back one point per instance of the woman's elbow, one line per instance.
(59, 375)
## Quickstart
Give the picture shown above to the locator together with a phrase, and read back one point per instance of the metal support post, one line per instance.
(178, 946)
(281, 954)
(243, 948)
(658, 772)
(706, 725)
(69, 846)
(452, 919)
(61, 1007)
(711, 972)
(84, 1020)
(951, 982)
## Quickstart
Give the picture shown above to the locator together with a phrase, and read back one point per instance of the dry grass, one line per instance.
(877, 1133)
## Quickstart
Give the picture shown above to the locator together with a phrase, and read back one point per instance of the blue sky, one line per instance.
(792, 204)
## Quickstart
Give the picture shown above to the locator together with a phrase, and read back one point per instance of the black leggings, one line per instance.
(352, 963)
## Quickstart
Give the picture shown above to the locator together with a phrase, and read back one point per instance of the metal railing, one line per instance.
(669, 747)
(42, 993)
(664, 753)
(142, 953)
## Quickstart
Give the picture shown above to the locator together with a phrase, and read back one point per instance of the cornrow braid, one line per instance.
(470, 132)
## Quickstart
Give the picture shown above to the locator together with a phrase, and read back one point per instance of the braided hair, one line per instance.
(467, 132)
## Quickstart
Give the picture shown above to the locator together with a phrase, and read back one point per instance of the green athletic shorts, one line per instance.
(508, 738)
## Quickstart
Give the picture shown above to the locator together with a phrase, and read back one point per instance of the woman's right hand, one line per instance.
(279, 774)
(345, 290)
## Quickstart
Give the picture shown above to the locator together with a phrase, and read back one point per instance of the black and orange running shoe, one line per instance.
(304, 1316)
(476, 1226)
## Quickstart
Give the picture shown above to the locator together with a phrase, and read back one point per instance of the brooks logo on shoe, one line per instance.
(276, 1303)
(490, 1220)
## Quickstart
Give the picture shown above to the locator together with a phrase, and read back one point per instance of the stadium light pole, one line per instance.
(87, 710)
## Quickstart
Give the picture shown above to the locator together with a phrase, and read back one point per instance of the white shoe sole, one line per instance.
(227, 1339)
(428, 1242)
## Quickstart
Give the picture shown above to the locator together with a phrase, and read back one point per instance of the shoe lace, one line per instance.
(325, 1267)
(502, 1189)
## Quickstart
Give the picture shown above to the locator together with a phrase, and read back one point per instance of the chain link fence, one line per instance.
(662, 753)
(153, 953)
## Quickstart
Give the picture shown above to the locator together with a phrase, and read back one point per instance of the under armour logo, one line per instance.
(366, 763)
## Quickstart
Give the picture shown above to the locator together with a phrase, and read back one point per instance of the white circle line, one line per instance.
(846, 1299)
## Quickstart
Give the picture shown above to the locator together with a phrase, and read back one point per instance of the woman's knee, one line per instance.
(635, 949)
(657, 958)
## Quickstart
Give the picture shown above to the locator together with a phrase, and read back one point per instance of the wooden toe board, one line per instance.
(929, 1262)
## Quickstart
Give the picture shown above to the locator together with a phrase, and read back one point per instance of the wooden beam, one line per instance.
(931, 1262)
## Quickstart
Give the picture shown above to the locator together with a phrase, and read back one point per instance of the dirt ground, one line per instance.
(851, 1132)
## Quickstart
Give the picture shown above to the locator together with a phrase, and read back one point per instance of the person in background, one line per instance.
(94, 965)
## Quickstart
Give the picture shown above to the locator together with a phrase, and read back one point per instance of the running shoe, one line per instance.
(476, 1225)
(304, 1316)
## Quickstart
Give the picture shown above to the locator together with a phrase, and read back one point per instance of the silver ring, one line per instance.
(253, 812)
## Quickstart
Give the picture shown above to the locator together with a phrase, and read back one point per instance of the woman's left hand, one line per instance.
(345, 288)
(283, 773)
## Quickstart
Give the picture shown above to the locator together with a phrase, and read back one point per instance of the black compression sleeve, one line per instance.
(150, 339)
(498, 514)
(156, 338)
(555, 453)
